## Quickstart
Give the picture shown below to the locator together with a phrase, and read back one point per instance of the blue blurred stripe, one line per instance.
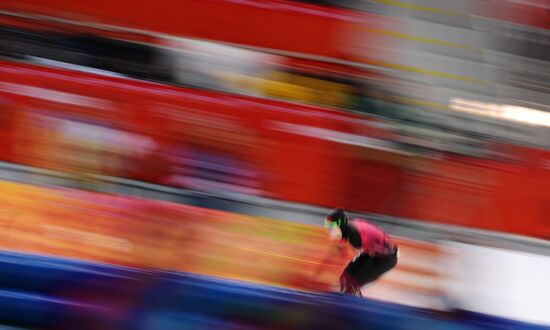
(58, 293)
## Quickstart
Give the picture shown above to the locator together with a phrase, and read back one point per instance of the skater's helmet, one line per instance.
(336, 218)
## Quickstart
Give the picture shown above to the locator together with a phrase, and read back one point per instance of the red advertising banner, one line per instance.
(499, 196)
(83, 123)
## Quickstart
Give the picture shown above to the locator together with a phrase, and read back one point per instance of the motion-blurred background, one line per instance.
(168, 164)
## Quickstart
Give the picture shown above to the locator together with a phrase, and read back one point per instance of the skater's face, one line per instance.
(334, 233)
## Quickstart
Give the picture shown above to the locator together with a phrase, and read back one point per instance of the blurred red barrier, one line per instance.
(506, 197)
(281, 25)
(82, 123)
(534, 13)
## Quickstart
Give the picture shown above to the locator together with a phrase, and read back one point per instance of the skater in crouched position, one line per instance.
(377, 253)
